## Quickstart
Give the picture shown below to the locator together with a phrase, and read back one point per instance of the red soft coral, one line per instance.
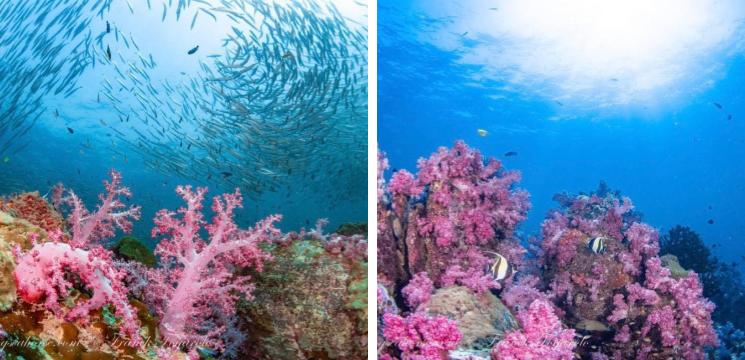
(197, 287)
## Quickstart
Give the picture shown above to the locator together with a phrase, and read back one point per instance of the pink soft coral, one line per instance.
(197, 287)
(40, 276)
(420, 337)
(41, 272)
(541, 336)
(88, 228)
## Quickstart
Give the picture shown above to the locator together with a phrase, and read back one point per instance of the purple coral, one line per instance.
(421, 337)
(542, 336)
(626, 288)
(445, 218)
(418, 291)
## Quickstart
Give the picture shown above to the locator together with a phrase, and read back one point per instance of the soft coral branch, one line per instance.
(87, 227)
(197, 280)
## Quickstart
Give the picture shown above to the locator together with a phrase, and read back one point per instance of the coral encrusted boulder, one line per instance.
(310, 302)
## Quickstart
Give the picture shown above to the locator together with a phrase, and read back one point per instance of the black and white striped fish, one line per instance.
(597, 244)
(500, 268)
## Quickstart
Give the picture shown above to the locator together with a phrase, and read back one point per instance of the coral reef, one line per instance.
(65, 295)
(443, 220)
(421, 337)
(651, 313)
(482, 318)
(40, 273)
(33, 208)
(621, 300)
(723, 282)
(437, 231)
(541, 336)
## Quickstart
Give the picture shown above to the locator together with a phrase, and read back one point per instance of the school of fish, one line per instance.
(284, 104)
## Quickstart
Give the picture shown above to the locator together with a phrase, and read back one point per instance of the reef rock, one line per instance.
(35, 209)
(482, 318)
(13, 231)
(18, 231)
(7, 285)
(309, 303)
(671, 263)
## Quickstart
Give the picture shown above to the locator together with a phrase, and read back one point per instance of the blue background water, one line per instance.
(678, 158)
(82, 160)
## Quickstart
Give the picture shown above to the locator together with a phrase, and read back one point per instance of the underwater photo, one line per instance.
(183, 179)
(561, 179)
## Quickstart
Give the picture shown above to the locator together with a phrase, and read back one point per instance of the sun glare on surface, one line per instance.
(613, 52)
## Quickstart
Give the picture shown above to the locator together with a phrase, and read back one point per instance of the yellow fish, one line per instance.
(482, 132)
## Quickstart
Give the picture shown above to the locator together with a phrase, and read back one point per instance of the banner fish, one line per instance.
(597, 245)
(500, 268)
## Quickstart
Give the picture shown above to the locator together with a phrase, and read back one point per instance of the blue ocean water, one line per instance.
(660, 119)
(141, 98)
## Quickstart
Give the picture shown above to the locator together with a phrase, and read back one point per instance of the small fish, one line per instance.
(70, 130)
(500, 268)
(108, 52)
(559, 103)
(226, 174)
(56, 113)
(493, 9)
(729, 116)
(193, 50)
(206, 353)
(597, 245)
(614, 79)
(718, 105)
(6, 159)
(710, 207)
(710, 222)
(108, 27)
(510, 153)
(482, 132)
(464, 34)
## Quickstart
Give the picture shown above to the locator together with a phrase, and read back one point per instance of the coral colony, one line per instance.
(194, 293)
(593, 285)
